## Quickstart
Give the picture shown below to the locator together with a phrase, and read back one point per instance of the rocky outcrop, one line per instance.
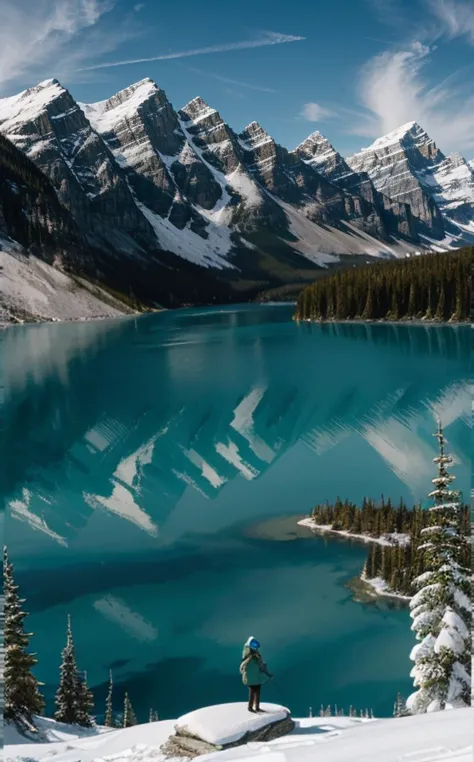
(184, 744)
(47, 124)
(285, 175)
(318, 153)
(451, 181)
(31, 213)
(400, 166)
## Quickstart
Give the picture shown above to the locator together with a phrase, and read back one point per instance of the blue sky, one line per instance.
(353, 69)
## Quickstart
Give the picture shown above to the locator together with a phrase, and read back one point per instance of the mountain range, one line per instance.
(166, 207)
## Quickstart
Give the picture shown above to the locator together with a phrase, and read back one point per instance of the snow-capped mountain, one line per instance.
(37, 232)
(174, 206)
(318, 153)
(48, 125)
(407, 165)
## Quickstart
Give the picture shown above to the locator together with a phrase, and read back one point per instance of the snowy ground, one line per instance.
(29, 285)
(437, 737)
(393, 538)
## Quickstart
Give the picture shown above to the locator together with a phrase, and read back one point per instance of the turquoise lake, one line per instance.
(155, 470)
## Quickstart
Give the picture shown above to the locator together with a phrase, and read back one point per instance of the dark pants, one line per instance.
(254, 697)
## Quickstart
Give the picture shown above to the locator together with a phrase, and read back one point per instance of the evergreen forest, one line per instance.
(398, 561)
(426, 287)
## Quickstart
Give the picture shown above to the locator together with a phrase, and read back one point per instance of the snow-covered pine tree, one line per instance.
(67, 693)
(109, 710)
(129, 717)
(85, 702)
(22, 697)
(399, 707)
(441, 609)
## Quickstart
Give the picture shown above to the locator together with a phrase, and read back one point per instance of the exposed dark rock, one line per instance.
(185, 745)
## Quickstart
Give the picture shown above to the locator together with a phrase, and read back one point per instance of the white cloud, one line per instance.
(313, 112)
(265, 38)
(455, 19)
(138, 7)
(394, 88)
(46, 38)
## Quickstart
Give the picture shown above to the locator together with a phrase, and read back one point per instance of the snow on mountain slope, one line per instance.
(34, 290)
(317, 152)
(407, 165)
(324, 244)
(47, 124)
(436, 737)
(176, 191)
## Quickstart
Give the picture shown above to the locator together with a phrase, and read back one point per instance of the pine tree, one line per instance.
(22, 696)
(441, 609)
(129, 718)
(109, 712)
(67, 693)
(85, 703)
(399, 707)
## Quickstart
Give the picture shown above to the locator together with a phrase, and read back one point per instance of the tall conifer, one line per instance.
(441, 609)
(22, 696)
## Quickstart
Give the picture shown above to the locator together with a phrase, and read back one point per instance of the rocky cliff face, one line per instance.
(318, 153)
(174, 206)
(400, 166)
(31, 213)
(285, 175)
(47, 124)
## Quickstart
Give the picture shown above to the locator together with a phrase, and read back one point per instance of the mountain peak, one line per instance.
(123, 104)
(315, 137)
(314, 144)
(197, 109)
(410, 130)
(29, 103)
(47, 83)
(254, 136)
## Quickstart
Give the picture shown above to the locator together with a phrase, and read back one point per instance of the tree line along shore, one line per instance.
(394, 533)
(434, 287)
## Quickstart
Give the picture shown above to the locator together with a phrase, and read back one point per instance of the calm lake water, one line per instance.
(155, 470)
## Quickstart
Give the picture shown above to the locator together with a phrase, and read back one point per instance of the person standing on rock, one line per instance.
(254, 672)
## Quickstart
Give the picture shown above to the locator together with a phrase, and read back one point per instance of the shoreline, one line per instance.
(364, 588)
(382, 321)
(327, 529)
(333, 321)
(367, 590)
(62, 321)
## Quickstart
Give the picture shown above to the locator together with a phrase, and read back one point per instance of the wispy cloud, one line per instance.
(43, 38)
(229, 81)
(264, 39)
(395, 89)
(455, 19)
(313, 112)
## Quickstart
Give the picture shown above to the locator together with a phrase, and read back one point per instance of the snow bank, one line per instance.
(392, 538)
(438, 737)
(226, 723)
